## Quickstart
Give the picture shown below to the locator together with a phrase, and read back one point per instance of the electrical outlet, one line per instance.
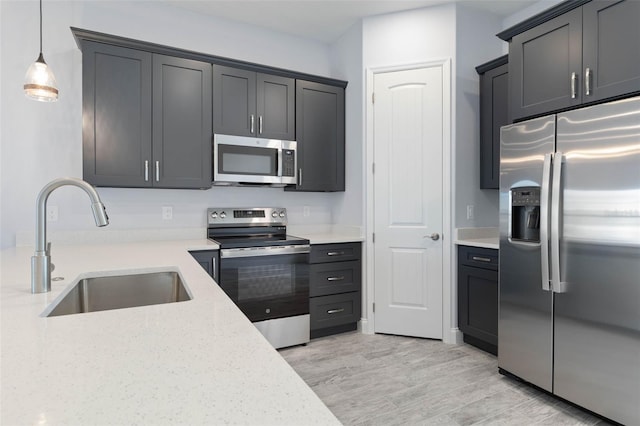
(52, 213)
(470, 212)
(167, 212)
(306, 211)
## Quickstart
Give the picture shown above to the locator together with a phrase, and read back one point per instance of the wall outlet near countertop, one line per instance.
(470, 212)
(52, 213)
(306, 211)
(167, 212)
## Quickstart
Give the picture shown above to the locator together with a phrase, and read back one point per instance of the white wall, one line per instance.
(476, 43)
(40, 142)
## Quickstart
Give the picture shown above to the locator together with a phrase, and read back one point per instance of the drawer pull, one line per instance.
(335, 253)
(340, 278)
(481, 259)
(335, 311)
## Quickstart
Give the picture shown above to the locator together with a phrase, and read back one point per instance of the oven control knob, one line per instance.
(282, 214)
(274, 215)
(268, 311)
(214, 215)
(223, 215)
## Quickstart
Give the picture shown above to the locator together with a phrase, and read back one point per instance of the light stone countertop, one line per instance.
(477, 237)
(194, 362)
(328, 234)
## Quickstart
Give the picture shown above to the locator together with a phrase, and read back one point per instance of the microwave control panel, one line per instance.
(288, 162)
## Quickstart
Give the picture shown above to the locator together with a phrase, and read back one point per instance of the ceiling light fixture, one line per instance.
(39, 82)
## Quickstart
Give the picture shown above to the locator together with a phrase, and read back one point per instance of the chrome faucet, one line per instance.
(41, 261)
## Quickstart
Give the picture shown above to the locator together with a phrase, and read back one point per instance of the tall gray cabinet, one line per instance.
(247, 103)
(147, 119)
(570, 56)
(320, 127)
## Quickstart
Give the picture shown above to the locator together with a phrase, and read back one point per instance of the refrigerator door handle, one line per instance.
(544, 222)
(556, 285)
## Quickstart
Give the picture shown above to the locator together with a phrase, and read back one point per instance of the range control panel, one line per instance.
(242, 216)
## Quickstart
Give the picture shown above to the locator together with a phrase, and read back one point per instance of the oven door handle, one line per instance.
(264, 251)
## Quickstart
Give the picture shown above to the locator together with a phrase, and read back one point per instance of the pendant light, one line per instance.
(39, 82)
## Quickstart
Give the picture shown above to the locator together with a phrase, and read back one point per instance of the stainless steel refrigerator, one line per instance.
(569, 318)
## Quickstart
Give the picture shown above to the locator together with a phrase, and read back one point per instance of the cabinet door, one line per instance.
(275, 109)
(494, 113)
(542, 62)
(234, 101)
(478, 303)
(611, 34)
(116, 104)
(209, 260)
(320, 136)
(182, 129)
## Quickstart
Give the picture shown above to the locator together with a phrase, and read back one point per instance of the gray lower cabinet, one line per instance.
(478, 297)
(247, 103)
(335, 288)
(320, 127)
(146, 119)
(494, 113)
(209, 260)
(585, 55)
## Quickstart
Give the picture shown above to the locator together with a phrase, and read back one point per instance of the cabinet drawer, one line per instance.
(478, 257)
(338, 309)
(334, 278)
(321, 253)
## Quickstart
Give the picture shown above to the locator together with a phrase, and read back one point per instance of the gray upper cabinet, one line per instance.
(116, 130)
(544, 66)
(494, 113)
(147, 119)
(584, 55)
(182, 128)
(247, 103)
(611, 42)
(320, 127)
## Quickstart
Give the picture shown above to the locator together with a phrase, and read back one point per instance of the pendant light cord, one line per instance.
(40, 27)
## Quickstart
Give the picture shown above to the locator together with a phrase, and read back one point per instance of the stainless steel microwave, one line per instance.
(239, 160)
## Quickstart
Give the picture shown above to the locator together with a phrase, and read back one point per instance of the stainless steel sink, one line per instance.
(121, 291)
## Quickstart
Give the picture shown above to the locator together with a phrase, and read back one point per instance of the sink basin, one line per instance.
(121, 291)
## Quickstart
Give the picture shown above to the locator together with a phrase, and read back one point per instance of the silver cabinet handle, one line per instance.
(299, 177)
(260, 124)
(574, 82)
(157, 171)
(335, 311)
(340, 278)
(481, 259)
(335, 253)
(544, 222)
(146, 170)
(587, 81)
(213, 268)
(251, 120)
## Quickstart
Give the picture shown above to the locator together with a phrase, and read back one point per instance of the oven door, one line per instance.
(267, 282)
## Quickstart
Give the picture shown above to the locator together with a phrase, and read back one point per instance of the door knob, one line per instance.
(435, 236)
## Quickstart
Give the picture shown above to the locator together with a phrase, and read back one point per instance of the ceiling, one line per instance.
(325, 20)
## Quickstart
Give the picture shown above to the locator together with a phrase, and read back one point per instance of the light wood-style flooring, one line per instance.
(393, 380)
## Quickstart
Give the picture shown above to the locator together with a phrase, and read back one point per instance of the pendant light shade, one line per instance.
(39, 82)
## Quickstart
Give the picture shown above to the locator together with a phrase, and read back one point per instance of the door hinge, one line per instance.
(374, 307)
(373, 167)
(373, 98)
(373, 237)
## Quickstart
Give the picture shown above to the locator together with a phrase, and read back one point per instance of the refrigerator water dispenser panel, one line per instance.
(525, 214)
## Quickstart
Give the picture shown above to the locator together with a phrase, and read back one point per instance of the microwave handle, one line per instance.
(279, 162)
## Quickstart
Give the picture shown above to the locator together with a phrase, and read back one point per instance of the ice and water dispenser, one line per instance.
(525, 214)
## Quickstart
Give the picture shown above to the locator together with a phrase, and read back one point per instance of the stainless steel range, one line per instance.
(264, 270)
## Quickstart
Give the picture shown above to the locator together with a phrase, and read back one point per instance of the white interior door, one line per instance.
(408, 202)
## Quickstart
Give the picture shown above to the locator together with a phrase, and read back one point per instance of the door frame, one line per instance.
(450, 332)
